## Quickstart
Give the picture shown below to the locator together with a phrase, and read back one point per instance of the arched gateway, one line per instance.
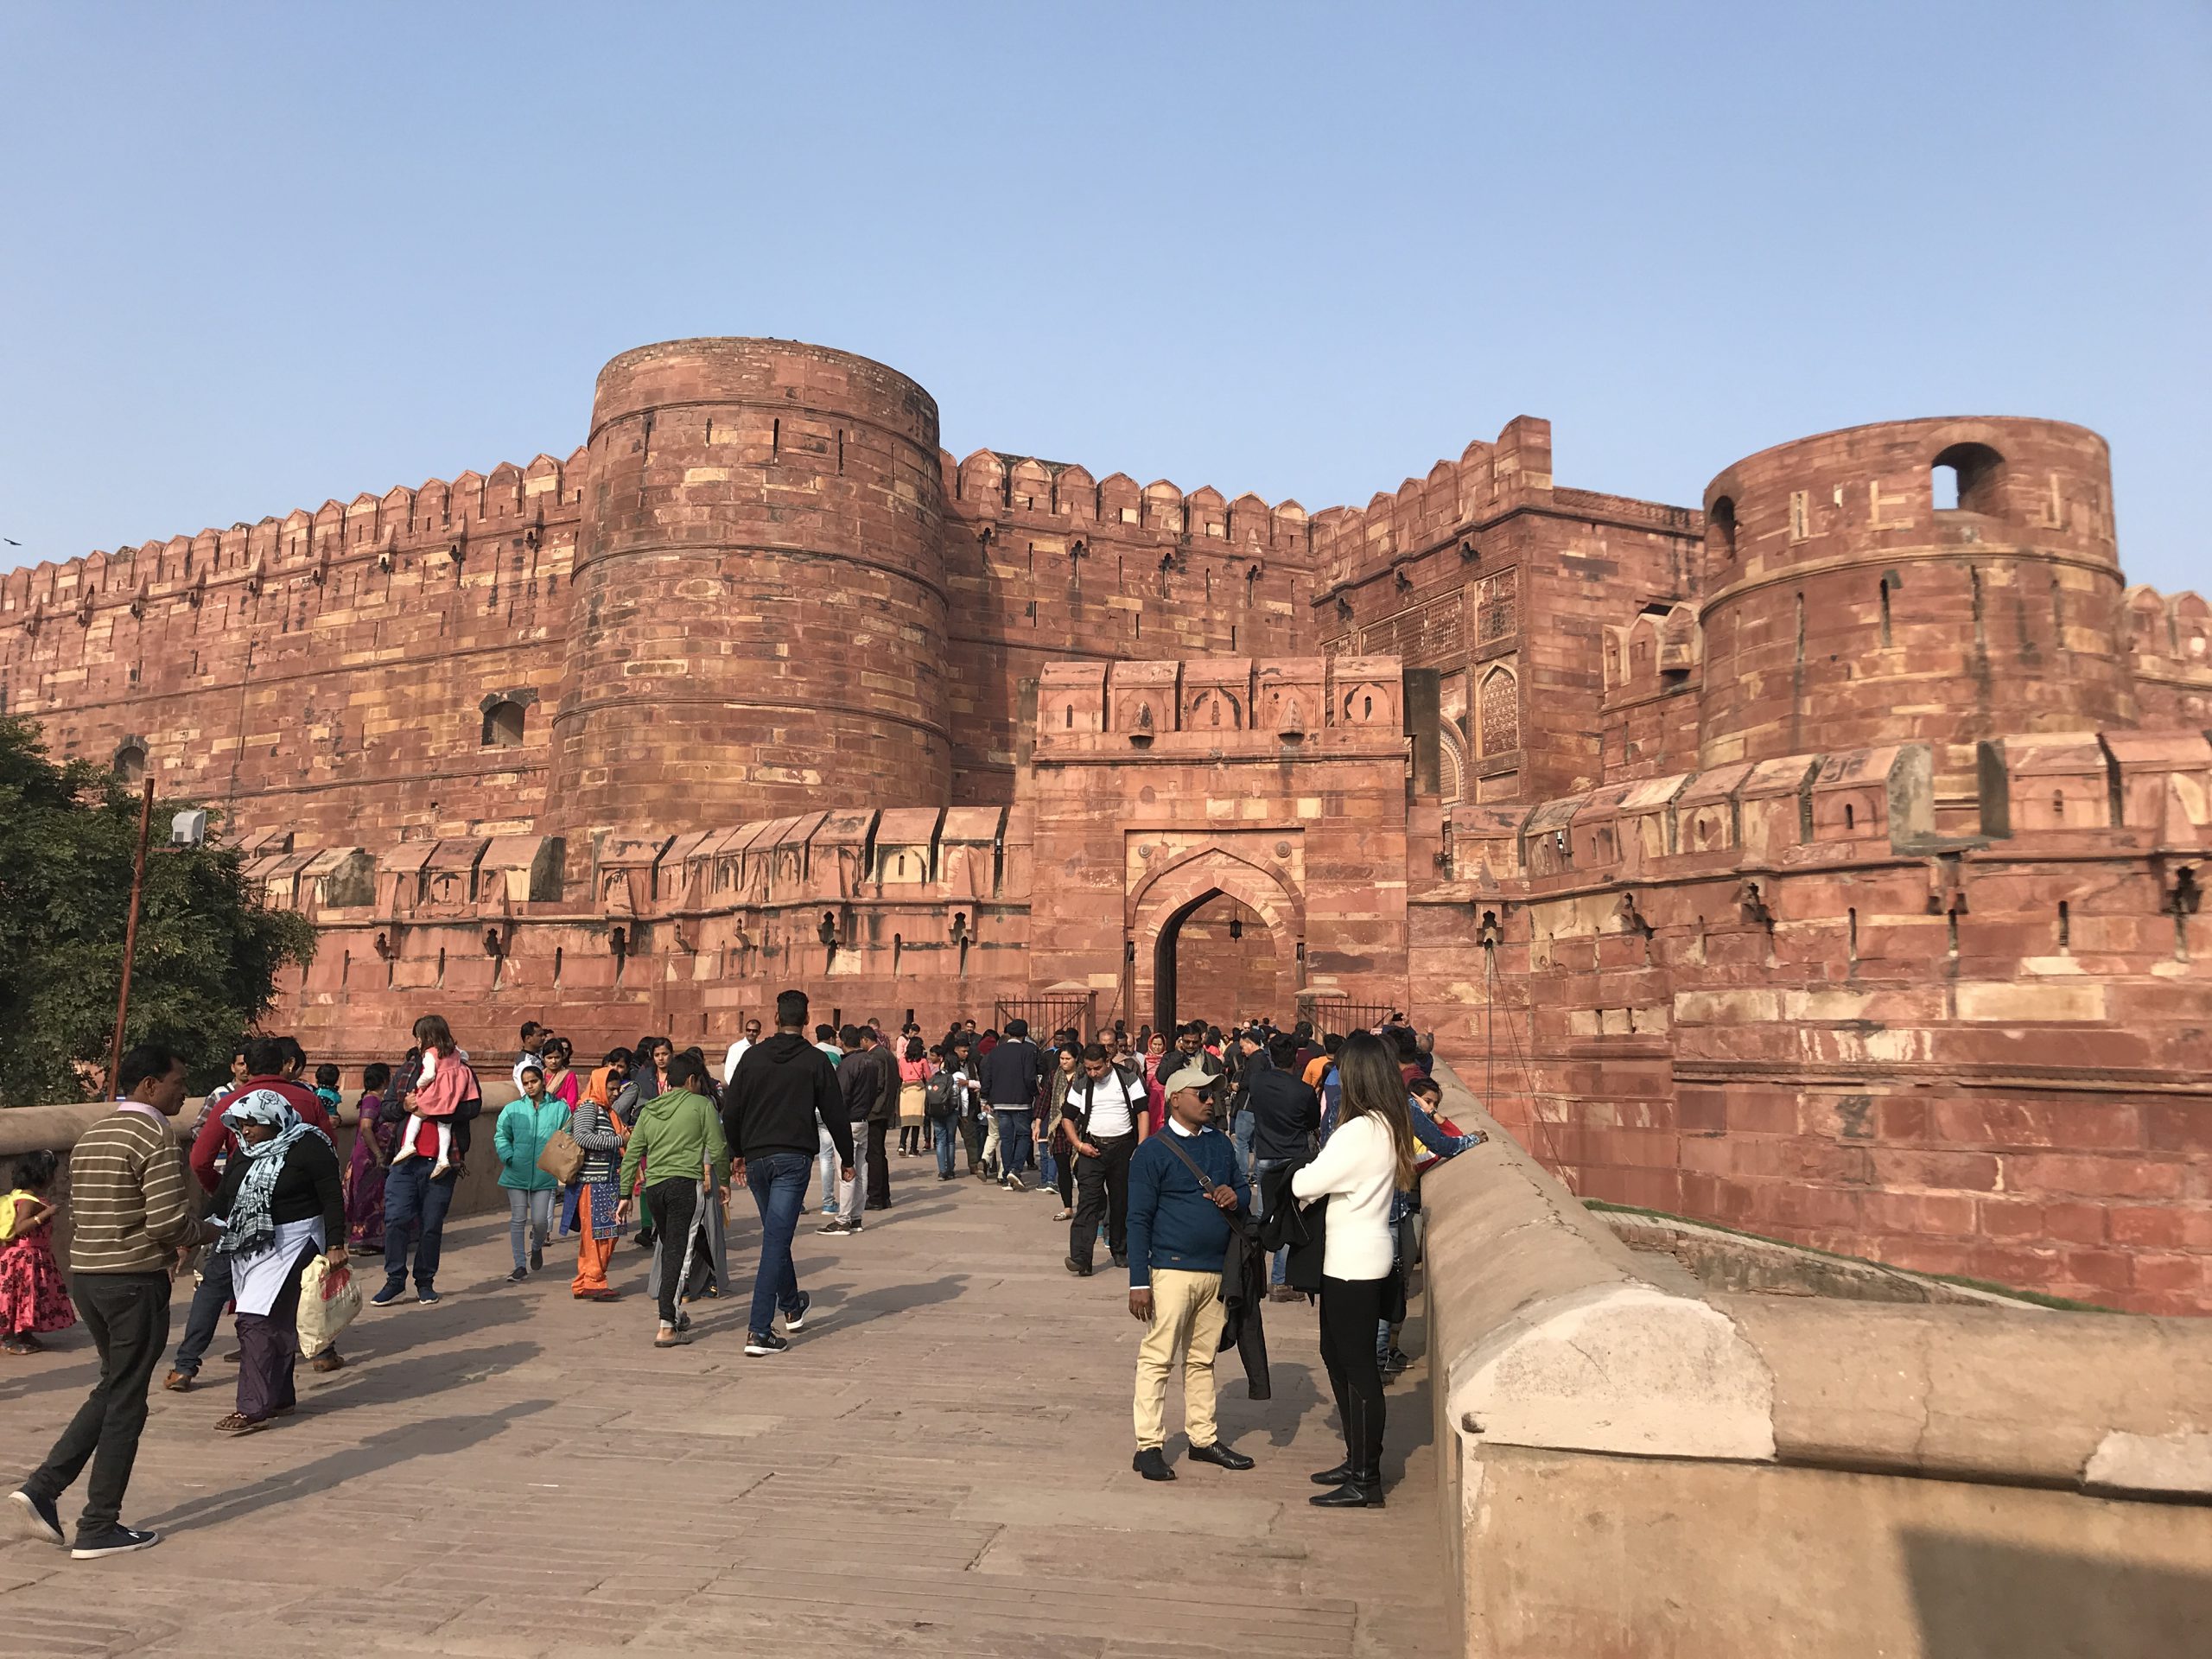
(1222, 870)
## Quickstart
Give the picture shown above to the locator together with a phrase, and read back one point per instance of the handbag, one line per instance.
(329, 1301)
(561, 1158)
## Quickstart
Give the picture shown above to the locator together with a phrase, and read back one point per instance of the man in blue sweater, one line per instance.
(1184, 1186)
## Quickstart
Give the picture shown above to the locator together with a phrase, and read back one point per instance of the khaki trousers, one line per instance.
(1186, 1318)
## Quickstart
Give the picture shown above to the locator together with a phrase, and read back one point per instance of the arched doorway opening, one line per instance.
(1216, 959)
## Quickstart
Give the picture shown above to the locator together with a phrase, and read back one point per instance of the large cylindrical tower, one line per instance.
(759, 611)
(1937, 581)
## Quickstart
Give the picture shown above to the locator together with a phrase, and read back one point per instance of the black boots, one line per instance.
(1359, 1492)
(1335, 1477)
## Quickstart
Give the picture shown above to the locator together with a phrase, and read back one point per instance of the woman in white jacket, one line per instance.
(1369, 1157)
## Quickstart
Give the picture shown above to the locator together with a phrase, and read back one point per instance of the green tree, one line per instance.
(208, 954)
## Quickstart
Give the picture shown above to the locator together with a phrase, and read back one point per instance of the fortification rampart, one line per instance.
(1775, 995)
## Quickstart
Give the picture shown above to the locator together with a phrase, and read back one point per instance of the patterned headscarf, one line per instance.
(251, 1228)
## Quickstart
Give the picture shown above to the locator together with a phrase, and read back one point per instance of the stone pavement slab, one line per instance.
(939, 1465)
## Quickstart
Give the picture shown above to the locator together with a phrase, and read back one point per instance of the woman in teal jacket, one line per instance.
(524, 1126)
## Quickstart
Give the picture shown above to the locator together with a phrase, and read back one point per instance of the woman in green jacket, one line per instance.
(678, 1139)
(526, 1125)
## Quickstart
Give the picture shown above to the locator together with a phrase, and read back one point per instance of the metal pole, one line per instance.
(130, 938)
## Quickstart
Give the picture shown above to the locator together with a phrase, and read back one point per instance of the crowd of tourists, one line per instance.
(1219, 1169)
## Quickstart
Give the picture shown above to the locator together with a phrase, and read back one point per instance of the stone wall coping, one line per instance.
(1545, 1334)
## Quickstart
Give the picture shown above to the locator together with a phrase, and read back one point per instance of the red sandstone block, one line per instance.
(2090, 1177)
(1928, 1254)
(1762, 1111)
(2157, 1271)
(1700, 1110)
(2011, 1218)
(2074, 1222)
(1966, 1172)
(2179, 1126)
(2105, 1270)
(1903, 1118)
(2026, 1269)
(2160, 1226)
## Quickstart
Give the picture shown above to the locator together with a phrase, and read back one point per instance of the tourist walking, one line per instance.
(737, 1052)
(1059, 1138)
(859, 1086)
(269, 1062)
(1184, 1189)
(1014, 1073)
(915, 1071)
(679, 1137)
(1105, 1115)
(374, 1141)
(786, 1096)
(416, 1196)
(34, 1296)
(525, 1124)
(1286, 1114)
(284, 1204)
(880, 1117)
(601, 1133)
(1368, 1158)
(966, 1069)
(131, 1226)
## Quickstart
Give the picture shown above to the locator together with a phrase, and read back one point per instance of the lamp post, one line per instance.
(130, 937)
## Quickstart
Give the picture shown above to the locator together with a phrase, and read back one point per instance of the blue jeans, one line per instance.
(779, 1186)
(413, 1202)
(1014, 1139)
(206, 1314)
(1240, 1130)
(1279, 1273)
(944, 1132)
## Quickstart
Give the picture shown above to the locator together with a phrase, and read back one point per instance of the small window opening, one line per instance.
(2065, 929)
(1850, 817)
(503, 723)
(1069, 720)
(2057, 807)
(1969, 478)
(1720, 522)
(131, 766)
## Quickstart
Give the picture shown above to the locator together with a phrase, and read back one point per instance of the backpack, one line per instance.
(940, 1096)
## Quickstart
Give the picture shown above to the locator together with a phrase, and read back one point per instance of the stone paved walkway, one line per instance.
(939, 1465)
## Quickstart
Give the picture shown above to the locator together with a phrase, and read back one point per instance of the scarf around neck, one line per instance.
(252, 1227)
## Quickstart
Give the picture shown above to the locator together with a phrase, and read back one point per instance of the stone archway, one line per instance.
(1258, 900)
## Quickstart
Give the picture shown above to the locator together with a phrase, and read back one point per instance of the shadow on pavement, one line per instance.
(435, 1436)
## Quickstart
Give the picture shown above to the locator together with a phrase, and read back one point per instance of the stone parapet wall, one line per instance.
(1641, 1471)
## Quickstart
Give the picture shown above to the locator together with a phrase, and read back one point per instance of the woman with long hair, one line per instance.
(649, 1063)
(914, 1070)
(1368, 1160)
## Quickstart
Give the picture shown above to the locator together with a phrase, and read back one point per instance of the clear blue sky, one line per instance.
(252, 258)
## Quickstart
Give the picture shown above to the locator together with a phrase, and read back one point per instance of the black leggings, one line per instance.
(673, 1204)
(1350, 1310)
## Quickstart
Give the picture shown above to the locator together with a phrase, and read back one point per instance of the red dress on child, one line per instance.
(32, 1295)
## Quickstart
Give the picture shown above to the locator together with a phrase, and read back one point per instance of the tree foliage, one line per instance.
(208, 954)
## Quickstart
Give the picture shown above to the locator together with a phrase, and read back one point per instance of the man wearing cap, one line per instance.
(1184, 1186)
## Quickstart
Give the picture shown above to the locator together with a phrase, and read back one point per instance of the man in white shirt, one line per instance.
(533, 1047)
(737, 1052)
(1107, 1119)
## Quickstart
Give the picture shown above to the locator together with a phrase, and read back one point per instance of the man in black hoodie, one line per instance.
(1012, 1073)
(782, 1090)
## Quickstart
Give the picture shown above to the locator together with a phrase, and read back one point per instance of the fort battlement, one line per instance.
(1825, 858)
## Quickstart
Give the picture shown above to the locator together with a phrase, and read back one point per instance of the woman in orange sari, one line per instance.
(602, 1134)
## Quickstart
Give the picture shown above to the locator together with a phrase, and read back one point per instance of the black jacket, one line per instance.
(783, 1086)
(1286, 1116)
(1013, 1073)
(859, 1082)
(308, 1186)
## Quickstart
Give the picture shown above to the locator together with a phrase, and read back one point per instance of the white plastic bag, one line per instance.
(329, 1301)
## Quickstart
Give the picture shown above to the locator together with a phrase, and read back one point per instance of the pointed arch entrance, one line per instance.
(1239, 926)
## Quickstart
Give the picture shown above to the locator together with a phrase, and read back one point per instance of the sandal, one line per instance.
(23, 1345)
(674, 1339)
(238, 1423)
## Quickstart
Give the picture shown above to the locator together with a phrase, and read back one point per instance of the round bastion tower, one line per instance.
(1937, 581)
(758, 595)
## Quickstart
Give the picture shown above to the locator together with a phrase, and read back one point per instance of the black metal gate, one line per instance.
(1342, 1015)
(1046, 1015)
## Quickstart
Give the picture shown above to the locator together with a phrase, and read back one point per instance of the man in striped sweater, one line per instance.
(134, 1225)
